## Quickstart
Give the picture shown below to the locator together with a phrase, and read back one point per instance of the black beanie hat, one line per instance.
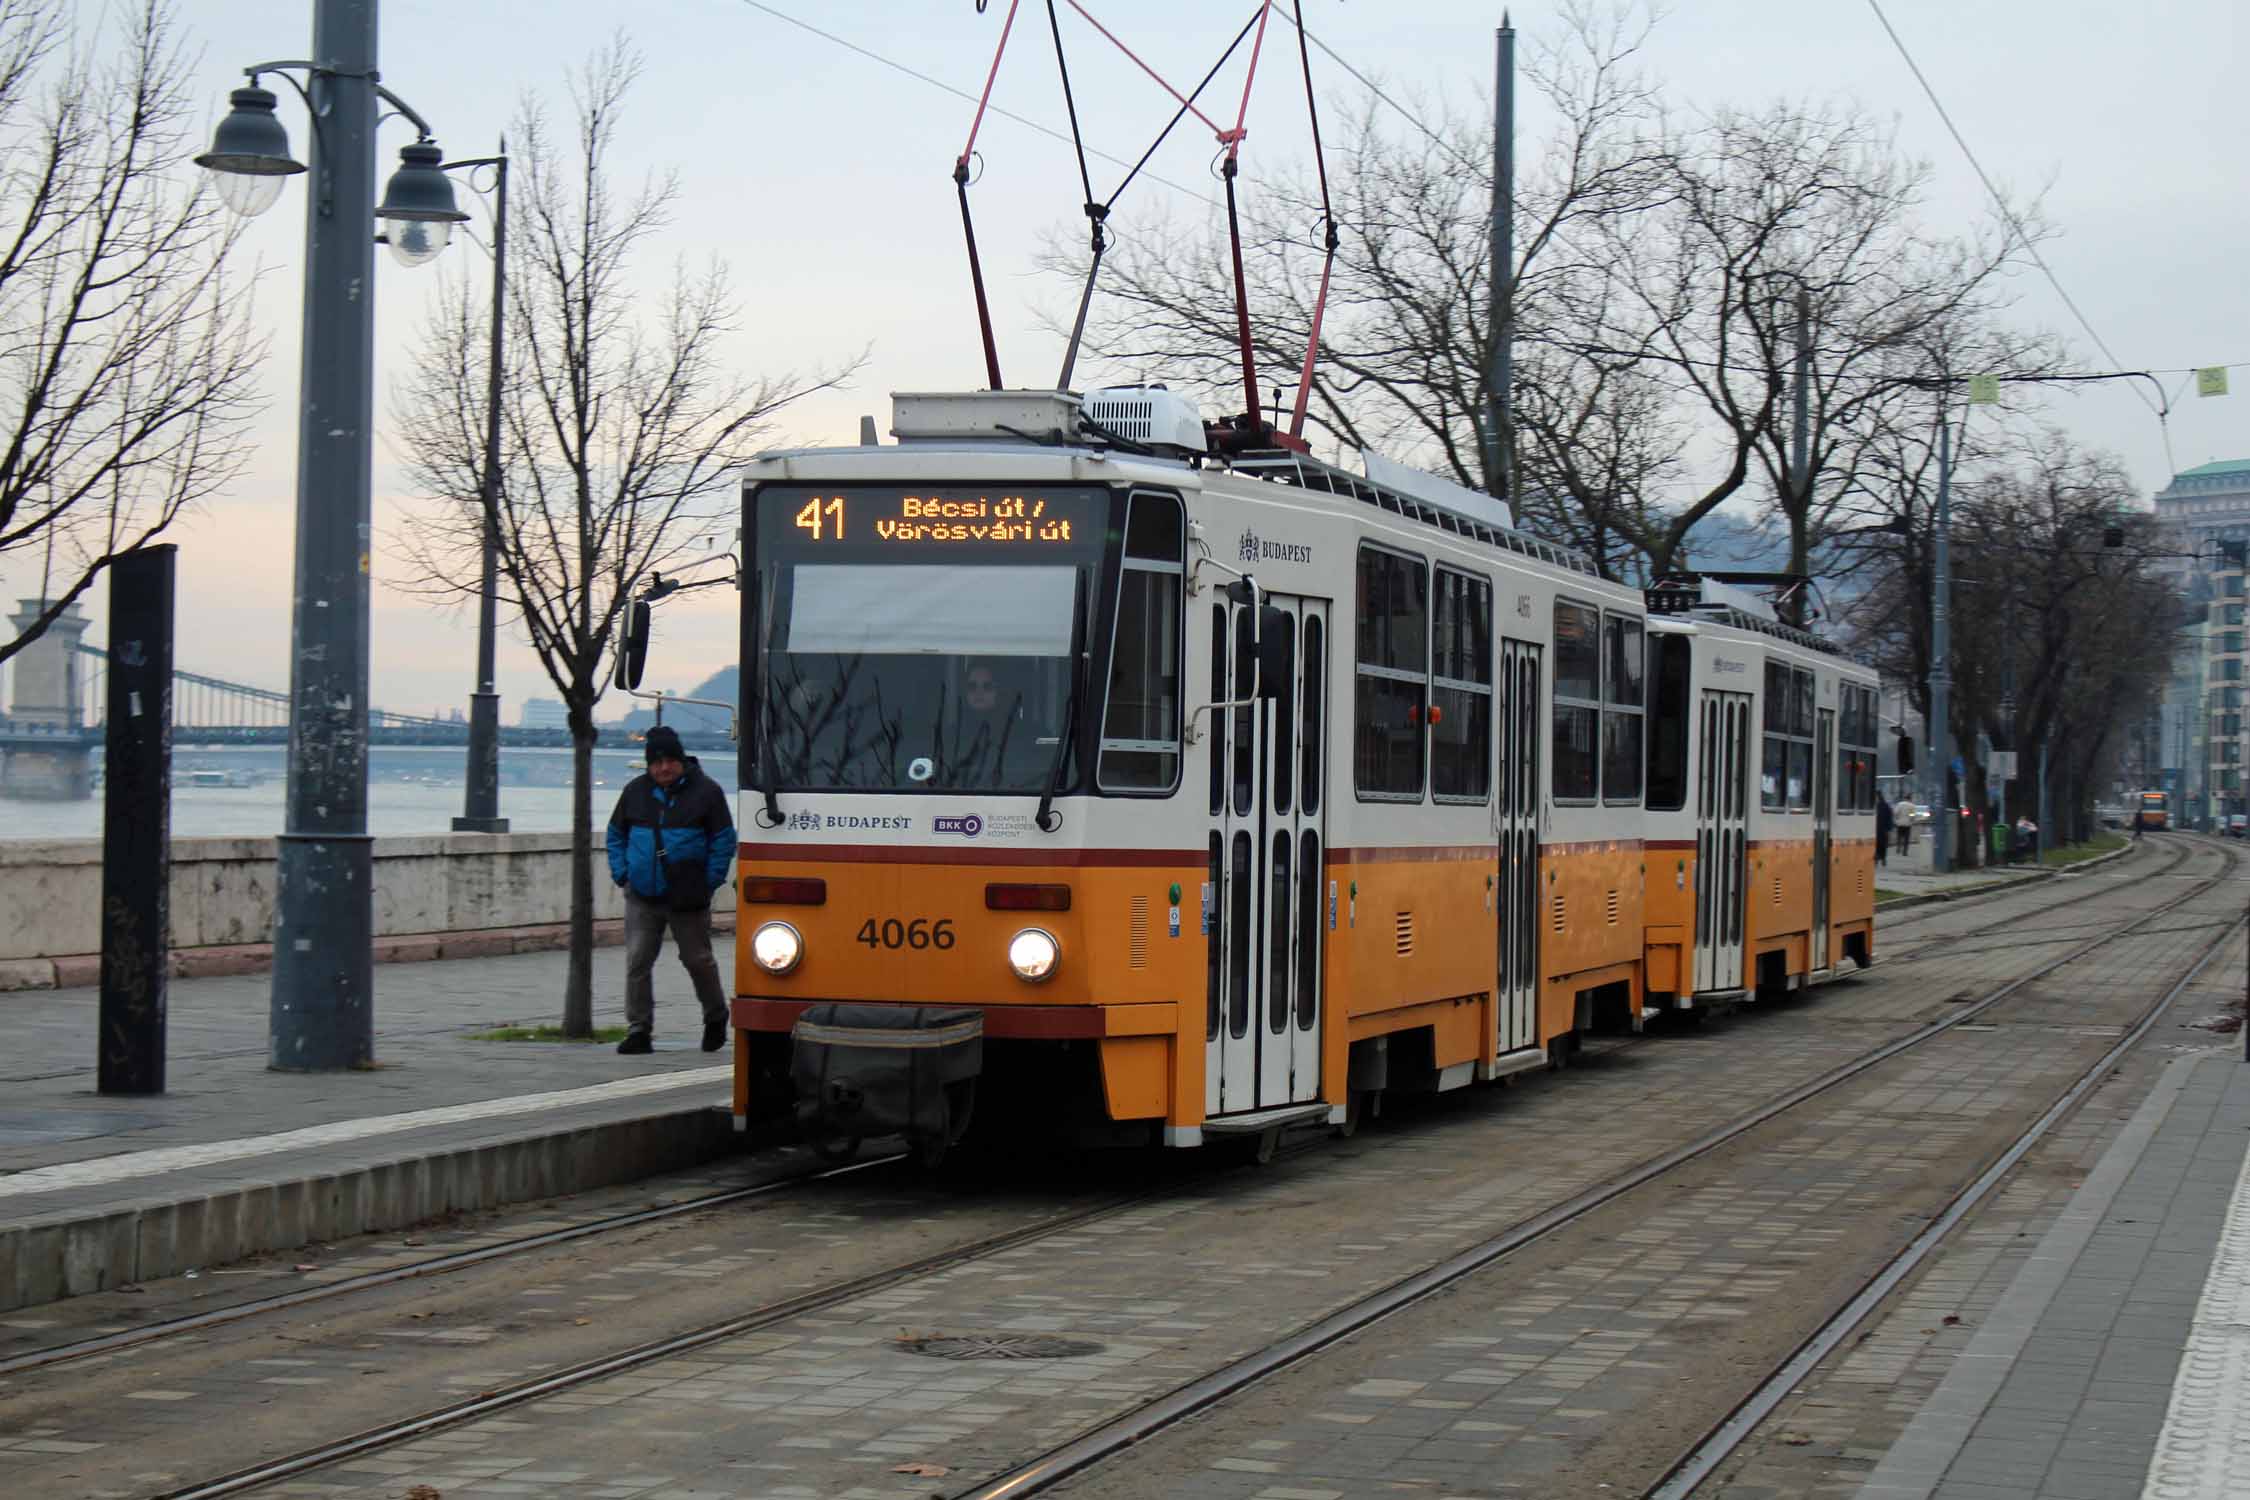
(663, 744)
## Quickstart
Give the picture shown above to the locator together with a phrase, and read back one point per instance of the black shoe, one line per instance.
(636, 1043)
(714, 1034)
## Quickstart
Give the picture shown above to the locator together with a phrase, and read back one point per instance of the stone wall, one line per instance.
(436, 896)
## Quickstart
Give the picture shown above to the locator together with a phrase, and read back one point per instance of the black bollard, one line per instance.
(137, 823)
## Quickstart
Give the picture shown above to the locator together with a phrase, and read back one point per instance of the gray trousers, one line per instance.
(645, 923)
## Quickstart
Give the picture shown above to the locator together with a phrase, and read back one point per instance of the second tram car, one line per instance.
(2155, 810)
(1160, 795)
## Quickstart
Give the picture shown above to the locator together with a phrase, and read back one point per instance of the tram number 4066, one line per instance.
(921, 932)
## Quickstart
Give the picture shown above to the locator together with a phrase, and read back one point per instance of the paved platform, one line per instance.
(234, 1159)
(2117, 1361)
(1908, 876)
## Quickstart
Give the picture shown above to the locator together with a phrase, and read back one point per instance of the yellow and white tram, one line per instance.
(1157, 795)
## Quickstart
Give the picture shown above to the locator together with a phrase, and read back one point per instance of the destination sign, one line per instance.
(967, 519)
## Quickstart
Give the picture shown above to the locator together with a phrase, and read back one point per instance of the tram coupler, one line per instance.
(873, 1070)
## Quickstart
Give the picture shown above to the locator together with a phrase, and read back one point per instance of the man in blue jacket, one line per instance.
(670, 842)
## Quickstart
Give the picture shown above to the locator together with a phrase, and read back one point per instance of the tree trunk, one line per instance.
(578, 989)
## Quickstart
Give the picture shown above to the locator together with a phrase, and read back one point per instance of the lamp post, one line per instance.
(1941, 652)
(322, 1016)
(480, 802)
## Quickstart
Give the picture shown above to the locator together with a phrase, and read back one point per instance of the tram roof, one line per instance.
(1021, 460)
(1674, 609)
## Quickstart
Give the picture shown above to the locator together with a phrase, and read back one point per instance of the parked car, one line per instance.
(2237, 825)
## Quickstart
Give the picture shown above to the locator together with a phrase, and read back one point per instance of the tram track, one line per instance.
(1725, 1438)
(1060, 1463)
(207, 1319)
(1097, 1443)
(122, 1340)
(1949, 944)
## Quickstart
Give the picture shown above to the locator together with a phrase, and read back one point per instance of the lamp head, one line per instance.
(249, 155)
(418, 205)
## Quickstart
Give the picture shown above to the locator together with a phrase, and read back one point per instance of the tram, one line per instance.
(1144, 787)
(2155, 810)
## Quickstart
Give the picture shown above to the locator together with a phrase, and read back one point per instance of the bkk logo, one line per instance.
(968, 827)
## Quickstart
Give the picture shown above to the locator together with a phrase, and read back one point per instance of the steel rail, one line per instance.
(1719, 1444)
(1166, 1411)
(436, 1265)
(375, 1438)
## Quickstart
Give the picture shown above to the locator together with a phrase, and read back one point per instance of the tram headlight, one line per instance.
(776, 948)
(1034, 954)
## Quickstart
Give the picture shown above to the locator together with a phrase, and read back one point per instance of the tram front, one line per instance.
(960, 887)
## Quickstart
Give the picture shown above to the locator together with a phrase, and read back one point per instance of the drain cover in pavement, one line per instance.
(1001, 1346)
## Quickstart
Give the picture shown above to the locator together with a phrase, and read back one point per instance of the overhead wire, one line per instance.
(938, 83)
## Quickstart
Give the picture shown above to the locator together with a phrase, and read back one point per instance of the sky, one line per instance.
(823, 179)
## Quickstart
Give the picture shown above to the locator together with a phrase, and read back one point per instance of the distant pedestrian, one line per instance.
(2140, 822)
(1904, 816)
(1882, 829)
(670, 842)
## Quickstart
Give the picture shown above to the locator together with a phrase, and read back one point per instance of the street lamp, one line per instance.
(480, 801)
(323, 1014)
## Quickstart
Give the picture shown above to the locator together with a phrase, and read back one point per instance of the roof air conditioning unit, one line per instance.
(1148, 414)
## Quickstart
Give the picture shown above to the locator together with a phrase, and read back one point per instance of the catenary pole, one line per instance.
(323, 1014)
(481, 802)
(1941, 654)
(1500, 414)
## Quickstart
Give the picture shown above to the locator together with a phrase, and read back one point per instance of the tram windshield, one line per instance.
(919, 665)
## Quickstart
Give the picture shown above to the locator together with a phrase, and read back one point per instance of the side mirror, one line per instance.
(1905, 753)
(632, 651)
(1276, 633)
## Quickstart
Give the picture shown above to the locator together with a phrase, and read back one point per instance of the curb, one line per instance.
(1998, 887)
(80, 970)
(66, 1255)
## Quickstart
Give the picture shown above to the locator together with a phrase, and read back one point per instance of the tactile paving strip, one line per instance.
(2203, 1452)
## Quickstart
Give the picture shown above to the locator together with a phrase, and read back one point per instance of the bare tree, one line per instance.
(127, 361)
(1408, 327)
(622, 434)
(2063, 632)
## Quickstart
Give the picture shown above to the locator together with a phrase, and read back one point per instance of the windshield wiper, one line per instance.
(1070, 708)
(761, 682)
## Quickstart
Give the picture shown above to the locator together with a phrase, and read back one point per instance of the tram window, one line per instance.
(1858, 725)
(1219, 694)
(1800, 742)
(1389, 738)
(1140, 749)
(1245, 686)
(1578, 690)
(1668, 734)
(1285, 724)
(1214, 942)
(1461, 689)
(1242, 941)
(1623, 703)
(1315, 716)
(1280, 944)
(1309, 918)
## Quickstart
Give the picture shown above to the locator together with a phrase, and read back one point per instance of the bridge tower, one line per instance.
(48, 698)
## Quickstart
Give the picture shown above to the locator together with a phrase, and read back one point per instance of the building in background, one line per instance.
(544, 713)
(2201, 747)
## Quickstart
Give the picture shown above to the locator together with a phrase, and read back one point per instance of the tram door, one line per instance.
(1516, 825)
(1722, 831)
(1823, 831)
(1268, 907)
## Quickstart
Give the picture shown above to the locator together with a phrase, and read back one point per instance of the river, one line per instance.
(409, 791)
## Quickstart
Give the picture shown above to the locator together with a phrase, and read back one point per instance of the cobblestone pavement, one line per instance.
(1537, 1360)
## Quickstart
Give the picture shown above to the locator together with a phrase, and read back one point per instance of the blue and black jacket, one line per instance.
(698, 829)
